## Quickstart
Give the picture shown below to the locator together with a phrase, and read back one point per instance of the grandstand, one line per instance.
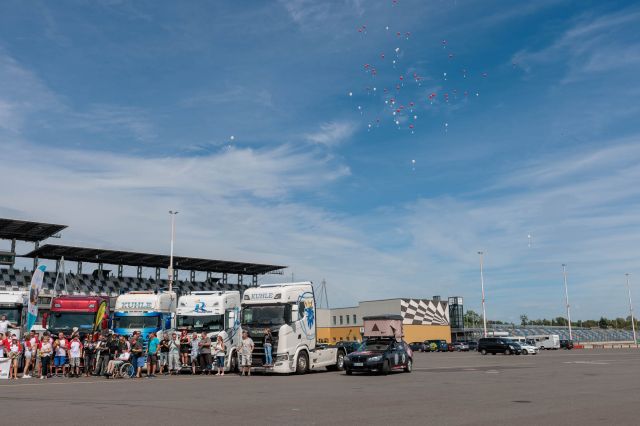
(102, 281)
(579, 334)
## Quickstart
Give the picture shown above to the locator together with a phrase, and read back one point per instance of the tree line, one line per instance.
(473, 319)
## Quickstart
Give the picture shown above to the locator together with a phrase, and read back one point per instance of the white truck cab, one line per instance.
(216, 312)
(14, 304)
(289, 311)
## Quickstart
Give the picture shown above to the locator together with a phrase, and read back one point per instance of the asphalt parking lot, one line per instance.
(580, 387)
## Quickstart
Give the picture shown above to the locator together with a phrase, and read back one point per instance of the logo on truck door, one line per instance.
(307, 311)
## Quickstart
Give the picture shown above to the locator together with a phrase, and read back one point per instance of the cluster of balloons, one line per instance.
(396, 91)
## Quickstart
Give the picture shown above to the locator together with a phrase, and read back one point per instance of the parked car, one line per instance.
(450, 347)
(566, 344)
(494, 345)
(528, 348)
(473, 345)
(380, 355)
(437, 345)
(417, 346)
(461, 346)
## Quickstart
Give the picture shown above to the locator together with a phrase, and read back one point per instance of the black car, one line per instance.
(380, 355)
(494, 345)
(417, 346)
(566, 344)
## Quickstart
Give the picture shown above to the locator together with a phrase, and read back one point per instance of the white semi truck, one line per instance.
(216, 312)
(289, 311)
(14, 305)
(146, 312)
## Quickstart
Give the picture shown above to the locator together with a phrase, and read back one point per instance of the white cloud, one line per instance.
(332, 133)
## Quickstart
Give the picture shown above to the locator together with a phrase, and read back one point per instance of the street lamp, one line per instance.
(173, 235)
(484, 312)
(566, 298)
(633, 325)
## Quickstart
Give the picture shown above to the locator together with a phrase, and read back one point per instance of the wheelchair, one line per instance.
(124, 371)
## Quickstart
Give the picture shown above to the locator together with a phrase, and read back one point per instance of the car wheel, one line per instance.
(507, 352)
(302, 363)
(385, 368)
(493, 353)
(525, 352)
(542, 348)
(409, 366)
(483, 351)
(347, 372)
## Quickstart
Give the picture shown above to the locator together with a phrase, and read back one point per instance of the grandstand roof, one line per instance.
(22, 230)
(115, 257)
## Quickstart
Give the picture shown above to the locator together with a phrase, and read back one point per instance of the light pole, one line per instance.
(566, 298)
(484, 312)
(633, 325)
(173, 235)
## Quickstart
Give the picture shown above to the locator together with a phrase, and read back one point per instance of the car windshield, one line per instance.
(136, 321)
(68, 320)
(266, 315)
(201, 322)
(374, 346)
(12, 313)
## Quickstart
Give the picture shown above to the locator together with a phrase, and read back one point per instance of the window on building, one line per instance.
(334, 339)
(334, 320)
(354, 318)
(340, 319)
(347, 319)
(341, 339)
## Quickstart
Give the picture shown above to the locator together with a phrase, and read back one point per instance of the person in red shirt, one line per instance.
(4, 346)
(14, 354)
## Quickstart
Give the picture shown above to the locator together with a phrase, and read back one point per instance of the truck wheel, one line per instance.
(409, 366)
(339, 365)
(233, 363)
(302, 363)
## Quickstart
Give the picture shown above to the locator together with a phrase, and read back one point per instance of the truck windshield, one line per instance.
(201, 322)
(12, 313)
(68, 320)
(136, 322)
(266, 315)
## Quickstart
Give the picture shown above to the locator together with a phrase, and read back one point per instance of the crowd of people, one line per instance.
(49, 356)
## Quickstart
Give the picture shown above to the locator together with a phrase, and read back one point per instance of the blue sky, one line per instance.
(239, 115)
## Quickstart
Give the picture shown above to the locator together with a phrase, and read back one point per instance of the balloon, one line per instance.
(232, 137)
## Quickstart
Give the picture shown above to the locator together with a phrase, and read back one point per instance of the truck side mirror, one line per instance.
(45, 317)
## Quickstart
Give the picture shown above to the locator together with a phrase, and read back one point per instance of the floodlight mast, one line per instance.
(173, 235)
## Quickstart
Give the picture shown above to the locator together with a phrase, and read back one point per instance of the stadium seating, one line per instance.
(12, 279)
(579, 334)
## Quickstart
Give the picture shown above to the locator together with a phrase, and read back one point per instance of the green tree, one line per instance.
(471, 318)
(603, 323)
(524, 320)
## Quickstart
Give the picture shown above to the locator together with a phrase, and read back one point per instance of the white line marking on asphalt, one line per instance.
(492, 371)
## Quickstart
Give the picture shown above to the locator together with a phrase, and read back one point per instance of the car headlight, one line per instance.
(512, 347)
(376, 358)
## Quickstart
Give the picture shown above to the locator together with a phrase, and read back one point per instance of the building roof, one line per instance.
(22, 230)
(116, 257)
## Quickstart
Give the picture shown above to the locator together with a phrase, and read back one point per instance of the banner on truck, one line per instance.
(34, 292)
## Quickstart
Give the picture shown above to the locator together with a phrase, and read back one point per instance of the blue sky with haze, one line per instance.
(112, 113)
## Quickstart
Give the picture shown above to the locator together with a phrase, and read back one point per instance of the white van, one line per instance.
(546, 341)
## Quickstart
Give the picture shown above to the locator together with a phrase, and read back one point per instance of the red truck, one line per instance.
(88, 313)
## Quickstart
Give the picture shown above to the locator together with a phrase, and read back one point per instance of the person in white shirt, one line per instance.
(75, 353)
(61, 346)
(5, 324)
(116, 363)
(14, 355)
(46, 349)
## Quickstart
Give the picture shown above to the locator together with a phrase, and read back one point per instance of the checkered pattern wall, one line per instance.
(424, 312)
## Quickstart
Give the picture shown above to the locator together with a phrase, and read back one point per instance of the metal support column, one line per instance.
(79, 268)
(120, 271)
(35, 259)
(57, 266)
(224, 278)
(13, 251)
(192, 276)
(254, 280)
(139, 272)
(239, 279)
(157, 274)
(100, 267)
(209, 275)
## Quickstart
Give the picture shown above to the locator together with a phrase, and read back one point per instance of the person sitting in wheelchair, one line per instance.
(114, 364)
